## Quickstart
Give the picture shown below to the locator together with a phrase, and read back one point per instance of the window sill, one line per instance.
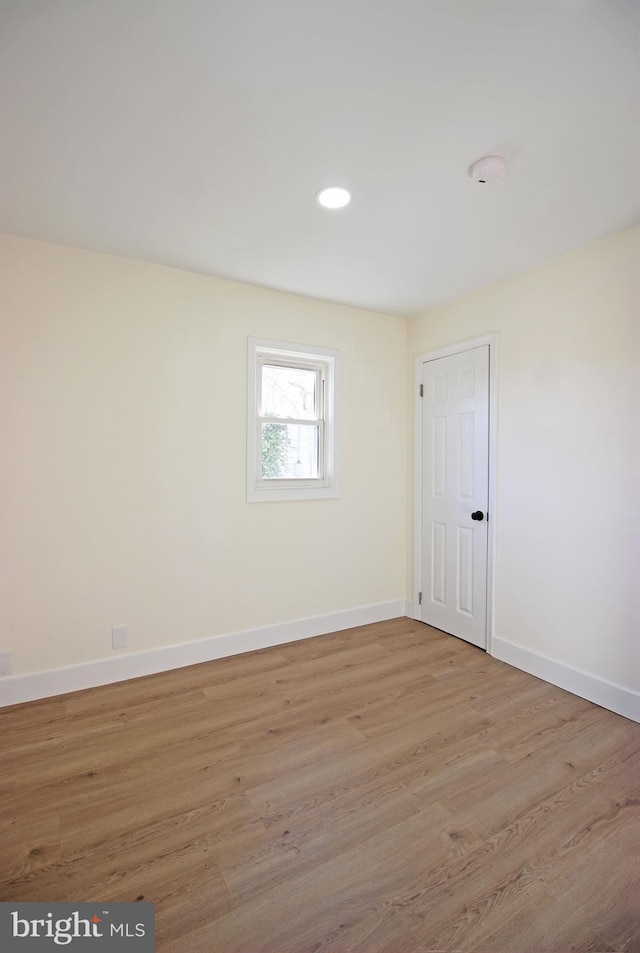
(280, 494)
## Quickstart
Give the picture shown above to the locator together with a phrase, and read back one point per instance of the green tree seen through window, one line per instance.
(275, 450)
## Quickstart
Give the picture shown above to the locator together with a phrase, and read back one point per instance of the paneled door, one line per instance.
(455, 492)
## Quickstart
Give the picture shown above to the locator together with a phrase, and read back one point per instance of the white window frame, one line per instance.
(325, 361)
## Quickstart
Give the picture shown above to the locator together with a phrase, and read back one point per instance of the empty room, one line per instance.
(320, 389)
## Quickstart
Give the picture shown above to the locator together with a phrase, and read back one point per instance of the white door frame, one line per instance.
(492, 340)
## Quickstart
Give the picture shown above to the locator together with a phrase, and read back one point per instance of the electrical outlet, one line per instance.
(119, 637)
(6, 663)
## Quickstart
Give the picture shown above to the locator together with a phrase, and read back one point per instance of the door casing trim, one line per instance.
(490, 339)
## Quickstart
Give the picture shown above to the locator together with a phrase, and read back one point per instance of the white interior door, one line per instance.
(455, 493)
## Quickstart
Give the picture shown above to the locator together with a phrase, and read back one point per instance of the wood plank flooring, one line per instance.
(388, 788)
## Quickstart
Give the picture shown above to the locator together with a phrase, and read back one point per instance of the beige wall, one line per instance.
(122, 482)
(123, 479)
(568, 447)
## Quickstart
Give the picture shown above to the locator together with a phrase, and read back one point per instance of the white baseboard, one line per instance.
(15, 689)
(409, 609)
(621, 700)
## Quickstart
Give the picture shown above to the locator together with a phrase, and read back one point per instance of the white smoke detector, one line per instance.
(488, 169)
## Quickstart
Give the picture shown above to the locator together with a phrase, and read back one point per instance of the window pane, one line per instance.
(290, 451)
(289, 392)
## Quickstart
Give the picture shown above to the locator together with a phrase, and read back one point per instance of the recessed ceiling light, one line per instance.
(333, 197)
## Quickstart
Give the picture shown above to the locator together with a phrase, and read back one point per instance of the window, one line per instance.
(291, 426)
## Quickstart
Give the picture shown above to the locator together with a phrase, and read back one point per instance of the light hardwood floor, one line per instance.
(388, 788)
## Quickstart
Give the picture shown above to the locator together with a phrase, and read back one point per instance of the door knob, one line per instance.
(478, 515)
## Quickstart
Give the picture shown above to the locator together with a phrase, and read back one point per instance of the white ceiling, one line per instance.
(196, 133)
